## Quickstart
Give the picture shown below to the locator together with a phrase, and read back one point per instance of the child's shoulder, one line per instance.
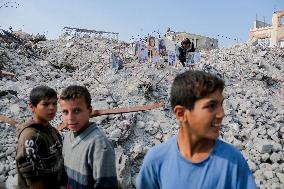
(227, 150)
(27, 129)
(160, 151)
(226, 146)
(95, 134)
(95, 131)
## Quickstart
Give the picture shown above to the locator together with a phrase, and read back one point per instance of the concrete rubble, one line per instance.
(253, 103)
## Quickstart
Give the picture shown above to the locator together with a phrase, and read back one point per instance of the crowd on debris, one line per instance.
(254, 97)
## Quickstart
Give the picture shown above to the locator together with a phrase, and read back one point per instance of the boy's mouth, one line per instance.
(73, 126)
(51, 114)
(216, 124)
(216, 127)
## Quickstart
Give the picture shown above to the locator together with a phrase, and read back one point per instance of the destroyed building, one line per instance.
(79, 32)
(199, 41)
(267, 34)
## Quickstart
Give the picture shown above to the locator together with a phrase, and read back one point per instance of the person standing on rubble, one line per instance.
(183, 51)
(39, 158)
(196, 157)
(89, 157)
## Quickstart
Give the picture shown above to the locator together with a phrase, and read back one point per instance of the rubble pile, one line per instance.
(254, 119)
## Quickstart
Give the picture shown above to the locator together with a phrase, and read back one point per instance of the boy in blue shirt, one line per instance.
(195, 158)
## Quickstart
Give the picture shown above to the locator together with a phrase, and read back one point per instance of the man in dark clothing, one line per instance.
(186, 46)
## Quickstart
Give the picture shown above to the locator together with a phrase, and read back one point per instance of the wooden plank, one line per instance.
(4, 73)
(96, 113)
(8, 120)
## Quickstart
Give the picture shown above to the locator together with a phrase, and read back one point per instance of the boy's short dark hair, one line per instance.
(40, 93)
(191, 86)
(76, 91)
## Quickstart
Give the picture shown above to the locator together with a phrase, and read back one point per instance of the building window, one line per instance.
(282, 21)
(281, 43)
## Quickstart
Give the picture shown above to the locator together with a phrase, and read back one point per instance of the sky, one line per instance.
(226, 20)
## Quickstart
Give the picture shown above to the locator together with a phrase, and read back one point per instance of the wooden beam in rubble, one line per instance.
(4, 73)
(96, 113)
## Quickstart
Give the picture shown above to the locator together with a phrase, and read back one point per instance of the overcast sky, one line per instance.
(225, 20)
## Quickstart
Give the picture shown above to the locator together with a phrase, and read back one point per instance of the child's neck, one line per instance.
(192, 148)
(37, 120)
(81, 131)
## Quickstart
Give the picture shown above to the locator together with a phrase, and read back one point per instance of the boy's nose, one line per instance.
(221, 112)
(52, 106)
(70, 116)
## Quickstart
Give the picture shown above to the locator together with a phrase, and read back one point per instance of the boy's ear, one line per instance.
(32, 107)
(180, 112)
(90, 110)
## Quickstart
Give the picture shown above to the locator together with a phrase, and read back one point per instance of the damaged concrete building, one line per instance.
(201, 42)
(78, 32)
(267, 34)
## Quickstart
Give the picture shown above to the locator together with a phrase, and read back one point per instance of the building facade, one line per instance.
(200, 42)
(269, 35)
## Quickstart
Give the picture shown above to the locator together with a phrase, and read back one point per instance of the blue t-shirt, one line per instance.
(165, 168)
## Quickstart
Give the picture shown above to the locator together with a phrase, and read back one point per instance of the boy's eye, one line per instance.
(211, 106)
(77, 110)
(64, 112)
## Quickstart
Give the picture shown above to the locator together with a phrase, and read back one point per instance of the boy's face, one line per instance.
(204, 120)
(45, 110)
(75, 113)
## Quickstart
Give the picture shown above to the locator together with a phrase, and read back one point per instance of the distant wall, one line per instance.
(200, 42)
(274, 33)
